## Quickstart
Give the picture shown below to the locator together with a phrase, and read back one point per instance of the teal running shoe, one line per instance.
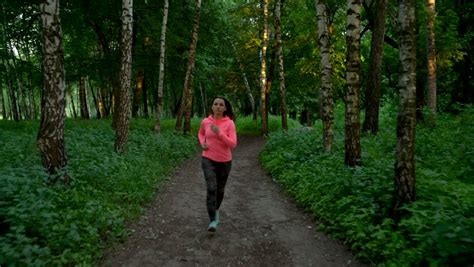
(212, 227)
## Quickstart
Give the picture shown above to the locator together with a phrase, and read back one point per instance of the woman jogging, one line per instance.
(217, 136)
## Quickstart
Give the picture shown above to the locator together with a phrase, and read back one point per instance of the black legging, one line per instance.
(216, 174)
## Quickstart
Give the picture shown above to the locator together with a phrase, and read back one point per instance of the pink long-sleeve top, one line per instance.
(219, 145)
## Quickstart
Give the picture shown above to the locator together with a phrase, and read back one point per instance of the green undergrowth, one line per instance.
(56, 225)
(353, 204)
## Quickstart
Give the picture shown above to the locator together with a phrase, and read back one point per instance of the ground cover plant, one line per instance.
(353, 204)
(56, 225)
(45, 225)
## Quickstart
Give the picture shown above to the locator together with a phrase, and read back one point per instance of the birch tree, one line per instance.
(431, 56)
(263, 70)
(405, 150)
(283, 106)
(185, 108)
(325, 95)
(123, 107)
(161, 74)
(51, 132)
(352, 97)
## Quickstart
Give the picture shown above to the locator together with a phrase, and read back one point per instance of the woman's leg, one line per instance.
(209, 169)
(222, 173)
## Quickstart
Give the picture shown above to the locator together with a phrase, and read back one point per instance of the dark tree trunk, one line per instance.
(185, 108)
(96, 101)
(83, 99)
(263, 71)
(145, 94)
(4, 112)
(281, 69)
(138, 92)
(371, 122)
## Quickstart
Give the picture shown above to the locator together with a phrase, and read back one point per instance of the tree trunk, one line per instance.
(4, 111)
(96, 100)
(325, 95)
(83, 99)
(371, 122)
(203, 101)
(138, 92)
(431, 56)
(13, 101)
(159, 101)
(31, 94)
(248, 90)
(51, 132)
(185, 107)
(279, 47)
(263, 70)
(404, 181)
(73, 106)
(352, 98)
(145, 93)
(123, 107)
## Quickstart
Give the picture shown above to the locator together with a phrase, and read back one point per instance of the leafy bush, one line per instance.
(56, 225)
(352, 204)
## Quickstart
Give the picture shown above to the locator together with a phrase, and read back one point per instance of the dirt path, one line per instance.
(260, 226)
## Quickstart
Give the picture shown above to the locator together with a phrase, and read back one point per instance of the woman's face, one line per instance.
(218, 106)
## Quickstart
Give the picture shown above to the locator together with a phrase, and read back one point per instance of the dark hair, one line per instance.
(229, 111)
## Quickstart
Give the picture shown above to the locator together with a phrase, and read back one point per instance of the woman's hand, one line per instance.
(215, 129)
(204, 146)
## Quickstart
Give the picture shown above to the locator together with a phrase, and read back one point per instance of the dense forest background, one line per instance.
(228, 47)
(354, 73)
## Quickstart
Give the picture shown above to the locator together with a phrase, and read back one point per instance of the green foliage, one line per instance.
(247, 126)
(56, 225)
(352, 204)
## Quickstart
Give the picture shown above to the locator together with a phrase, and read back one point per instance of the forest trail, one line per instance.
(260, 226)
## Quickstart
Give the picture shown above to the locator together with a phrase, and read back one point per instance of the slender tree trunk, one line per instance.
(431, 56)
(325, 95)
(371, 122)
(138, 92)
(203, 101)
(4, 111)
(103, 106)
(31, 93)
(73, 106)
(18, 97)
(23, 94)
(187, 98)
(83, 99)
(123, 107)
(161, 75)
(263, 70)
(145, 93)
(248, 90)
(404, 181)
(279, 47)
(51, 132)
(95, 99)
(13, 101)
(352, 98)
